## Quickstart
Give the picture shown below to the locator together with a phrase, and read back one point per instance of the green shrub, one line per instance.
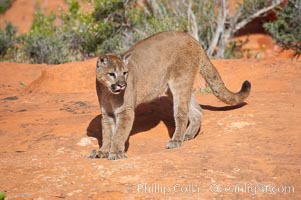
(4, 5)
(46, 49)
(114, 26)
(235, 50)
(7, 38)
(43, 44)
(109, 9)
(286, 30)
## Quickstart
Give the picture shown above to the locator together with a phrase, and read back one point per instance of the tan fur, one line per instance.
(165, 62)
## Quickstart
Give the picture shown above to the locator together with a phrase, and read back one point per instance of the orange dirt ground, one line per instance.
(44, 142)
(49, 118)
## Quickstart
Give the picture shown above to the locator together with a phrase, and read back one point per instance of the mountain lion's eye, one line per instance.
(125, 73)
(112, 75)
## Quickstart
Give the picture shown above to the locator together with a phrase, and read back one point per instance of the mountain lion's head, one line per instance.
(112, 72)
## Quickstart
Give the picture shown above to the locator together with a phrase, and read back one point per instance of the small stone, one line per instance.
(85, 141)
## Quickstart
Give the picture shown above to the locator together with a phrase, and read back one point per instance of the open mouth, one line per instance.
(116, 91)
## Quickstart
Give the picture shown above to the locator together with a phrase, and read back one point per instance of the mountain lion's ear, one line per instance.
(126, 58)
(102, 62)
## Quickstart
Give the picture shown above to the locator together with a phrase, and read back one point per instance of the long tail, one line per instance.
(215, 82)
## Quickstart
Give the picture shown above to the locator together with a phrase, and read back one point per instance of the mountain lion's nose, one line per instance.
(122, 85)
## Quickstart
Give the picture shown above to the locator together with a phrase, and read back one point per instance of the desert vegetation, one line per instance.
(286, 30)
(4, 5)
(115, 25)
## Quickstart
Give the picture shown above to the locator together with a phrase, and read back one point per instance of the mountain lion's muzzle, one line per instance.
(118, 87)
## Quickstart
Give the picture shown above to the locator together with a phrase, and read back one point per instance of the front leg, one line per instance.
(124, 123)
(108, 125)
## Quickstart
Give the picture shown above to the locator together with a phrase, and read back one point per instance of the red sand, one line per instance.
(46, 111)
(44, 142)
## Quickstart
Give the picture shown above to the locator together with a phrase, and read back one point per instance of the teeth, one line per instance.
(116, 91)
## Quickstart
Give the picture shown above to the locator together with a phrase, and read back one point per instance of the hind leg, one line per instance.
(195, 119)
(181, 98)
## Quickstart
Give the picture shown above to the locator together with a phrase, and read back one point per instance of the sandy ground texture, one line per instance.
(50, 119)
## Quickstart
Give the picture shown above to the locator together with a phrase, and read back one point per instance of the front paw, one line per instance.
(102, 154)
(117, 155)
(98, 154)
(174, 144)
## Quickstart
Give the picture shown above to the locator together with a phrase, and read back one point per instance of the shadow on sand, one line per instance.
(148, 116)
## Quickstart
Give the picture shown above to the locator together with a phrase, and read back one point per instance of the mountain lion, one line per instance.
(165, 62)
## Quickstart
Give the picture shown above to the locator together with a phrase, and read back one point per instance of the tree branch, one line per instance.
(243, 23)
(222, 17)
(192, 26)
(155, 8)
